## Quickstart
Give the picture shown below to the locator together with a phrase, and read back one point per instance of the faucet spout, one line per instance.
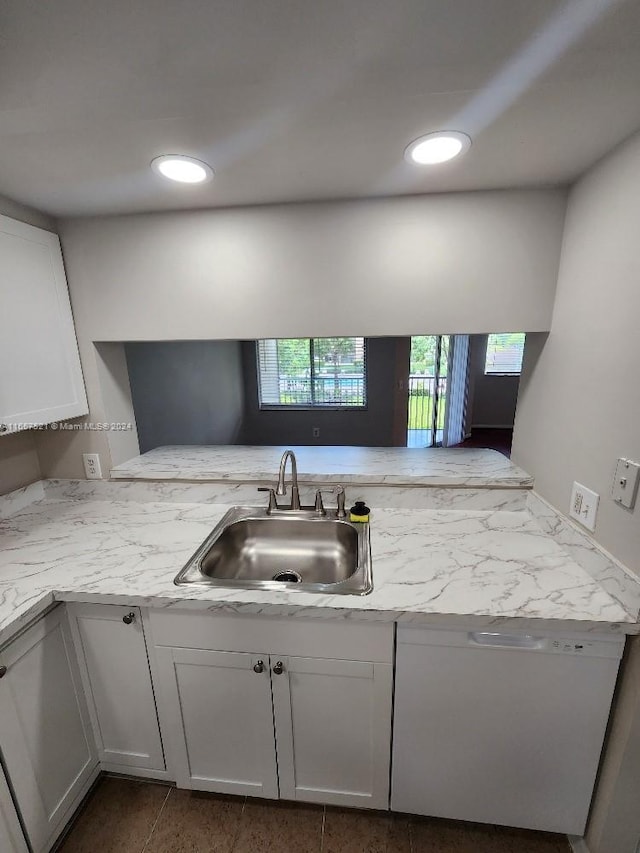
(281, 488)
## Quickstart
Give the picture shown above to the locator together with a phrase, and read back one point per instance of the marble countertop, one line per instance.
(452, 467)
(486, 567)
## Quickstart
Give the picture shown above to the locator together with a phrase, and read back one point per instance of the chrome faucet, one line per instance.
(281, 488)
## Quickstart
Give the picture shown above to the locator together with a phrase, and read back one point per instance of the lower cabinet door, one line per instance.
(45, 733)
(115, 671)
(333, 730)
(11, 837)
(218, 720)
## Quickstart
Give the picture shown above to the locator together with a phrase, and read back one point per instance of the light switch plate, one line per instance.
(584, 506)
(625, 482)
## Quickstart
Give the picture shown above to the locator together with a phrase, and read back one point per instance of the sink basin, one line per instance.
(293, 550)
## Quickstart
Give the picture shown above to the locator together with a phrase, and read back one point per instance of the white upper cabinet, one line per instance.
(40, 374)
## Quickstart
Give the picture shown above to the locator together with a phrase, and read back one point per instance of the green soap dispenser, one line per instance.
(359, 512)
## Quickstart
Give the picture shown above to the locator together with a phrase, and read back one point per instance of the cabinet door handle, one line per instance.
(278, 667)
(129, 618)
(259, 666)
(3, 671)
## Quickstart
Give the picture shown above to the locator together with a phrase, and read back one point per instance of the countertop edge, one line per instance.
(37, 608)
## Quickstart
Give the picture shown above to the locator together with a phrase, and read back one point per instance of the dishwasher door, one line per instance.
(501, 728)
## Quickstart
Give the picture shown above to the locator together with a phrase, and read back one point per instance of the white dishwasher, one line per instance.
(502, 728)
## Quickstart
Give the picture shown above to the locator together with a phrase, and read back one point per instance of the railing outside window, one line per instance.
(421, 401)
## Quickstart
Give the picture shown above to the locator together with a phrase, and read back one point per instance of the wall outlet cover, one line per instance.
(584, 506)
(92, 469)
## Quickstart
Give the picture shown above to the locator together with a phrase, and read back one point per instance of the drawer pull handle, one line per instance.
(259, 666)
(129, 618)
(278, 667)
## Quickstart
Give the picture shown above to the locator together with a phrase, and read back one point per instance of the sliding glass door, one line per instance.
(437, 390)
(427, 390)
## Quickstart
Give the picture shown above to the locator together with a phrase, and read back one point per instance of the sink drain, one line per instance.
(287, 577)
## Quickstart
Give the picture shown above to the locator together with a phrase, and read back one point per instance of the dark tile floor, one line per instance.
(124, 816)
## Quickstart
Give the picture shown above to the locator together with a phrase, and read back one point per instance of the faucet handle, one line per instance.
(273, 503)
(340, 497)
(319, 507)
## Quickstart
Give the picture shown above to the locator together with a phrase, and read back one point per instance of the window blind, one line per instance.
(504, 353)
(311, 372)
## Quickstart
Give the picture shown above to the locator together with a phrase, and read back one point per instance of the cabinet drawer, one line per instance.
(308, 637)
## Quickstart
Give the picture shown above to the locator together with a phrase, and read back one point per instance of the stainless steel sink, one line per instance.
(291, 549)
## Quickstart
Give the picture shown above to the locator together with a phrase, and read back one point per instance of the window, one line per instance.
(312, 372)
(504, 354)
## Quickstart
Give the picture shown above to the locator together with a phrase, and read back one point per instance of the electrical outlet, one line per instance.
(92, 468)
(584, 506)
(316, 432)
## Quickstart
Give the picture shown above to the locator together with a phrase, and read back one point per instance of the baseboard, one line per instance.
(578, 844)
(57, 838)
(127, 771)
(491, 426)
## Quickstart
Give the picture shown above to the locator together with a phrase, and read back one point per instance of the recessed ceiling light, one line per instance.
(185, 170)
(437, 147)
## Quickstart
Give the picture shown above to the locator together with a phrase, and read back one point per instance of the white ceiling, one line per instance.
(305, 99)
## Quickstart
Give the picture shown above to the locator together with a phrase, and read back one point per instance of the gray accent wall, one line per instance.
(186, 392)
(370, 427)
(492, 399)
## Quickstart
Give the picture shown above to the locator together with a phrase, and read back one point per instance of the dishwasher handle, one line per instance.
(489, 639)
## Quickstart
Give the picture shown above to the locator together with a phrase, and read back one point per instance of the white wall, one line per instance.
(19, 463)
(614, 823)
(579, 401)
(464, 262)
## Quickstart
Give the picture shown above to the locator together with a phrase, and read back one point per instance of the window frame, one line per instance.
(486, 372)
(314, 407)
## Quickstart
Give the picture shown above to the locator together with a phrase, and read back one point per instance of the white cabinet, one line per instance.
(227, 712)
(40, 374)
(332, 723)
(11, 837)
(45, 734)
(221, 720)
(114, 667)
